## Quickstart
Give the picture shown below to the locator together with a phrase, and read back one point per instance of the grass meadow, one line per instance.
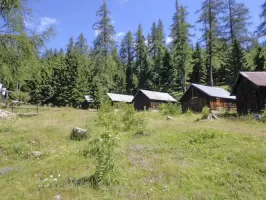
(177, 159)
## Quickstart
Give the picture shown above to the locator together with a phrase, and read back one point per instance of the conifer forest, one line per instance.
(64, 75)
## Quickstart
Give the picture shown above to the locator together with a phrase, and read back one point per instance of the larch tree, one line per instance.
(236, 21)
(262, 27)
(209, 18)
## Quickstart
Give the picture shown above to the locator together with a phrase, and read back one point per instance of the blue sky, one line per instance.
(72, 17)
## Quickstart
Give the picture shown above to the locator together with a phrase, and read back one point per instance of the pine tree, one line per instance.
(237, 61)
(127, 60)
(81, 45)
(210, 11)
(158, 60)
(142, 66)
(259, 59)
(262, 27)
(70, 46)
(180, 47)
(119, 73)
(104, 42)
(103, 67)
(167, 73)
(198, 73)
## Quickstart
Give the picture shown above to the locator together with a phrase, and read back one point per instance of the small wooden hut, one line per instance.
(146, 99)
(198, 96)
(250, 91)
(87, 103)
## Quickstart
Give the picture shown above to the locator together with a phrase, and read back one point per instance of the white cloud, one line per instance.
(169, 40)
(120, 34)
(46, 22)
(113, 22)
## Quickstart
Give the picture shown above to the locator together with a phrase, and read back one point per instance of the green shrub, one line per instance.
(131, 119)
(189, 112)
(205, 111)
(20, 96)
(263, 116)
(170, 109)
(108, 117)
(103, 149)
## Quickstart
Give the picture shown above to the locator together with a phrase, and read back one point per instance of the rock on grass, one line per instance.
(79, 134)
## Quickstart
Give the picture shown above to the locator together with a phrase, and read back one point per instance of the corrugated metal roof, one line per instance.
(258, 78)
(214, 91)
(158, 96)
(88, 98)
(120, 97)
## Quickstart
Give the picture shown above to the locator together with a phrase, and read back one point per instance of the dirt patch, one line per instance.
(6, 170)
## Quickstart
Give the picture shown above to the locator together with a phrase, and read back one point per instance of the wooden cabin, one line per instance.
(120, 98)
(146, 99)
(198, 96)
(250, 91)
(87, 103)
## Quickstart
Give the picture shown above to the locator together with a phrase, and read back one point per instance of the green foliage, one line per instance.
(170, 109)
(20, 96)
(189, 112)
(131, 119)
(262, 27)
(103, 149)
(205, 112)
(181, 51)
(198, 74)
(211, 28)
(263, 116)
(108, 117)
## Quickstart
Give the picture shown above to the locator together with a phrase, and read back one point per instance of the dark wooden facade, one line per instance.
(251, 98)
(142, 102)
(195, 99)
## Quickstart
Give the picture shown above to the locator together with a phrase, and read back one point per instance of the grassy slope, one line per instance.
(181, 159)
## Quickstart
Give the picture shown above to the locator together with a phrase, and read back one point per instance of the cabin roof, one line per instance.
(88, 98)
(158, 96)
(213, 91)
(258, 78)
(120, 97)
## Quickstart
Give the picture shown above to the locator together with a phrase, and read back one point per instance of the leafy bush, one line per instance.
(170, 109)
(107, 117)
(263, 116)
(103, 149)
(20, 96)
(189, 112)
(205, 112)
(130, 119)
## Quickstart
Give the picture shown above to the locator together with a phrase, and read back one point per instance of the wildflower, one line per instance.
(59, 175)
(55, 179)
(45, 180)
(151, 189)
(51, 176)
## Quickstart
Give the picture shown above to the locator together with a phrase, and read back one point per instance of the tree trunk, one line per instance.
(210, 45)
